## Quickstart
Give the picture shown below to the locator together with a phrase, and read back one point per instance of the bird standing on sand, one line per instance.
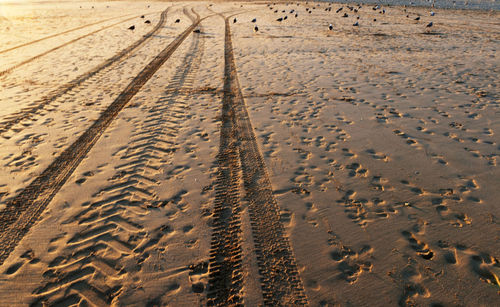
(345, 15)
(147, 21)
(279, 19)
(234, 20)
(356, 24)
(177, 20)
(330, 27)
(131, 28)
(432, 13)
(340, 9)
(418, 18)
(256, 29)
(254, 20)
(430, 24)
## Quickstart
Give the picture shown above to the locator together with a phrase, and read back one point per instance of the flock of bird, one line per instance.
(353, 9)
(294, 12)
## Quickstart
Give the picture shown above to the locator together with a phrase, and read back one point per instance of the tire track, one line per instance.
(280, 282)
(114, 222)
(27, 113)
(24, 209)
(10, 69)
(61, 33)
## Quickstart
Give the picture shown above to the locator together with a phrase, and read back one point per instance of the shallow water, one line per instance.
(448, 4)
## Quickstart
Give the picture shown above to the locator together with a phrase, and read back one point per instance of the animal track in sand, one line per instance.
(409, 280)
(421, 248)
(483, 265)
(350, 264)
(377, 155)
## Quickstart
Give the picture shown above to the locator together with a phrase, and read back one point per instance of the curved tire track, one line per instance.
(280, 282)
(63, 89)
(9, 70)
(61, 33)
(24, 210)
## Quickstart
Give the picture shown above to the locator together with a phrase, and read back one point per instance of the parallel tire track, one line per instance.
(24, 210)
(280, 282)
(114, 216)
(63, 89)
(60, 33)
(10, 69)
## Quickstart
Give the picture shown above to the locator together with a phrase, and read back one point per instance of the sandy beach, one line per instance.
(249, 153)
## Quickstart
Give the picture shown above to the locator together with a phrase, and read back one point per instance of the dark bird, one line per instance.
(356, 24)
(285, 17)
(418, 18)
(296, 15)
(374, 19)
(340, 9)
(197, 31)
(283, 11)
(429, 25)
(279, 19)
(345, 15)
(291, 12)
(310, 12)
(254, 20)
(177, 20)
(256, 29)
(131, 27)
(275, 11)
(330, 27)
(142, 16)
(234, 20)
(147, 21)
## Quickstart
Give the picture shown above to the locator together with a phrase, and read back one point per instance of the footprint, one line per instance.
(421, 248)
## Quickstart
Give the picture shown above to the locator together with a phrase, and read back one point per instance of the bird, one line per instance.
(197, 31)
(285, 17)
(356, 24)
(340, 9)
(374, 19)
(142, 16)
(430, 24)
(131, 27)
(254, 20)
(345, 15)
(418, 18)
(279, 19)
(234, 20)
(177, 20)
(256, 29)
(432, 13)
(330, 27)
(147, 21)
(296, 15)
